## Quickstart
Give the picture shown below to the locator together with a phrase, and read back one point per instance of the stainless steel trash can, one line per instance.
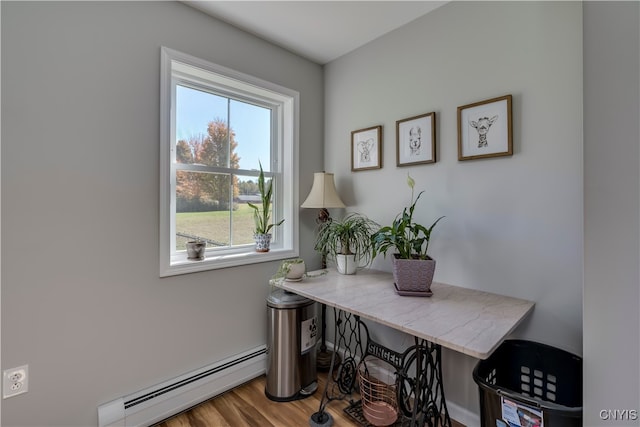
(291, 346)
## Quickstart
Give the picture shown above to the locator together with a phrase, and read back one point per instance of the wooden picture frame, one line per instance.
(485, 129)
(366, 149)
(416, 140)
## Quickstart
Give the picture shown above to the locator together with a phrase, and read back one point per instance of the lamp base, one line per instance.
(323, 359)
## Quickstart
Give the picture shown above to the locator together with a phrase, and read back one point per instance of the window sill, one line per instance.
(213, 261)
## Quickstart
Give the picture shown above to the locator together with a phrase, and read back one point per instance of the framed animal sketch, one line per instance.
(366, 149)
(416, 140)
(484, 129)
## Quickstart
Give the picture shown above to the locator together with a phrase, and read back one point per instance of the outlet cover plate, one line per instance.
(15, 381)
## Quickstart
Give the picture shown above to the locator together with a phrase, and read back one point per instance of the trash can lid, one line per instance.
(281, 298)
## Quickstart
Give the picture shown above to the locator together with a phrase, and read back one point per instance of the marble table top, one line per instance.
(465, 320)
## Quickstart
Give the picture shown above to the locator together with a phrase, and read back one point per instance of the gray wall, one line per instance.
(513, 225)
(79, 164)
(612, 210)
(80, 171)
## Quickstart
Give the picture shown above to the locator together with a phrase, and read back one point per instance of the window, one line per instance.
(217, 127)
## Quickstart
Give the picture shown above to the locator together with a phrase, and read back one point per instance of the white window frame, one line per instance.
(283, 168)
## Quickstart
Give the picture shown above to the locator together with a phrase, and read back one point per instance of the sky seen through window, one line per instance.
(251, 123)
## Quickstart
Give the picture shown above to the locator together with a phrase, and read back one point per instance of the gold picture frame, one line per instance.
(366, 149)
(416, 140)
(485, 129)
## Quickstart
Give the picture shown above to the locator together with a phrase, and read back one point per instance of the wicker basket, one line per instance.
(378, 391)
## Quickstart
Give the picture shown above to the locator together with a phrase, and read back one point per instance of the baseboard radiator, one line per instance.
(161, 401)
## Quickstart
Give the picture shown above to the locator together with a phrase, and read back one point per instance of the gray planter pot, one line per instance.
(195, 250)
(413, 277)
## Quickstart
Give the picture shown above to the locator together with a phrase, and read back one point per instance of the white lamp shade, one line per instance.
(323, 193)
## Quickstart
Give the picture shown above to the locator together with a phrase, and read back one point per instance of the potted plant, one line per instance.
(348, 242)
(195, 249)
(261, 215)
(292, 270)
(413, 268)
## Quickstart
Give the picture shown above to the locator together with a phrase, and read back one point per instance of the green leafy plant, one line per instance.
(411, 240)
(351, 236)
(261, 216)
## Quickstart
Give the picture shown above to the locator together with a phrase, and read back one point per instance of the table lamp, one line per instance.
(323, 195)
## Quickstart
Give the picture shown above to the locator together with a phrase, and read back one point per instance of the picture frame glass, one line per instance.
(485, 129)
(366, 149)
(414, 140)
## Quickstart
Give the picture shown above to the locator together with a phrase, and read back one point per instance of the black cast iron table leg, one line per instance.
(422, 397)
(346, 338)
(430, 407)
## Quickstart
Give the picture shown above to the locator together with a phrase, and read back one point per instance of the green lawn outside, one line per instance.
(215, 225)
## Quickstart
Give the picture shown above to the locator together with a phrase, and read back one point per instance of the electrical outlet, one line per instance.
(15, 381)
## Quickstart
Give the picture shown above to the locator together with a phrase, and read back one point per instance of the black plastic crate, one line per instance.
(540, 384)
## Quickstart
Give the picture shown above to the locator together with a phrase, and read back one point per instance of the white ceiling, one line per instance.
(317, 30)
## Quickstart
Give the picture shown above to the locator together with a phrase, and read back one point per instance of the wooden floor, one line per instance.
(247, 405)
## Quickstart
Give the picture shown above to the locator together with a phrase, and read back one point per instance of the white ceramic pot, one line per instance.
(346, 264)
(296, 271)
